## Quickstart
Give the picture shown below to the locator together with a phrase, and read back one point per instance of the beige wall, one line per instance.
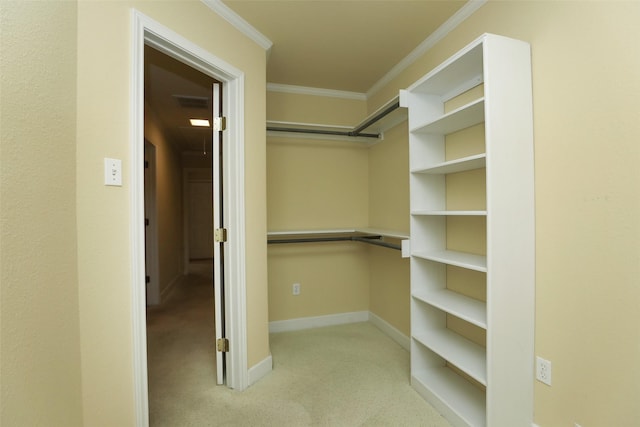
(169, 202)
(316, 184)
(333, 278)
(389, 210)
(323, 184)
(314, 109)
(103, 223)
(586, 62)
(585, 66)
(40, 333)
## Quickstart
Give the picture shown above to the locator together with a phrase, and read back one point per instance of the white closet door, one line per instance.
(218, 246)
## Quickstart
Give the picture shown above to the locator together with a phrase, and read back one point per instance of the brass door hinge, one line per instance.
(223, 345)
(220, 234)
(219, 124)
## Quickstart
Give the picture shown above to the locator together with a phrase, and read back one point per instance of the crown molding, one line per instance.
(449, 25)
(305, 90)
(239, 23)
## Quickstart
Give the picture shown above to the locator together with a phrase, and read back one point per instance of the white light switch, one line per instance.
(112, 172)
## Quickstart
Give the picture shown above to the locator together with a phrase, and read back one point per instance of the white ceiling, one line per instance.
(346, 45)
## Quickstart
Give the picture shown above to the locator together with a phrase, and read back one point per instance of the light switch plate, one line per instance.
(113, 172)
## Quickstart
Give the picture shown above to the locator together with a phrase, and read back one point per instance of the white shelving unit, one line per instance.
(472, 382)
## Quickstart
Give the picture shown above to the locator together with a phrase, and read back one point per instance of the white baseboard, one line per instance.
(391, 331)
(260, 370)
(317, 322)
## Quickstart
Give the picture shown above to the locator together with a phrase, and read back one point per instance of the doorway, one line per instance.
(181, 104)
(150, 33)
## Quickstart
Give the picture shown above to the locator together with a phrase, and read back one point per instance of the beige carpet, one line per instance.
(351, 375)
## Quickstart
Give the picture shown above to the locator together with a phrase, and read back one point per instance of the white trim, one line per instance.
(147, 31)
(449, 25)
(260, 370)
(235, 251)
(317, 322)
(138, 294)
(239, 23)
(305, 90)
(391, 331)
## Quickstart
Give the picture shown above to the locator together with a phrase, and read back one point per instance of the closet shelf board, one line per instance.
(461, 352)
(459, 259)
(458, 119)
(424, 212)
(451, 77)
(378, 232)
(477, 161)
(384, 233)
(468, 309)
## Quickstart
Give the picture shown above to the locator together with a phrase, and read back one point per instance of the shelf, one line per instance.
(461, 352)
(379, 232)
(308, 232)
(384, 233)
(459, 259)
(444, 364)
(370, 130)
(468, 309)
(458, 165)
(458, 119)
(364, 235)
(448, 213)
(461, 72)
(452, 393)
(384, 118)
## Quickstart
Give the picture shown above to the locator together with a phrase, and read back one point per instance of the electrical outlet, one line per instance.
(296, 289)
(543, 370)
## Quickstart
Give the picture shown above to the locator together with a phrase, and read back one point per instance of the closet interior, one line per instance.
(448, 166)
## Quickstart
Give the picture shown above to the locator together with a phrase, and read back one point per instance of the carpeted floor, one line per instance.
(350, 375)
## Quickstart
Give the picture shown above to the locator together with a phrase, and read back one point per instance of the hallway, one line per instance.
(348, 375)
(180, 347)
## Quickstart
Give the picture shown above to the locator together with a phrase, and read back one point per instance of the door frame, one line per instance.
(148, 31)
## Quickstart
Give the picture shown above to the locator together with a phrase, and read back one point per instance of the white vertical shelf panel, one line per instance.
(504, 66)
(511, 247)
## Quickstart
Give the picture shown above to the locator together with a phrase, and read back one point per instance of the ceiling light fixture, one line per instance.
(200, 122)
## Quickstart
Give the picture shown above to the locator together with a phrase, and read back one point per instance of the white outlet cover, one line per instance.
(543, 370)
